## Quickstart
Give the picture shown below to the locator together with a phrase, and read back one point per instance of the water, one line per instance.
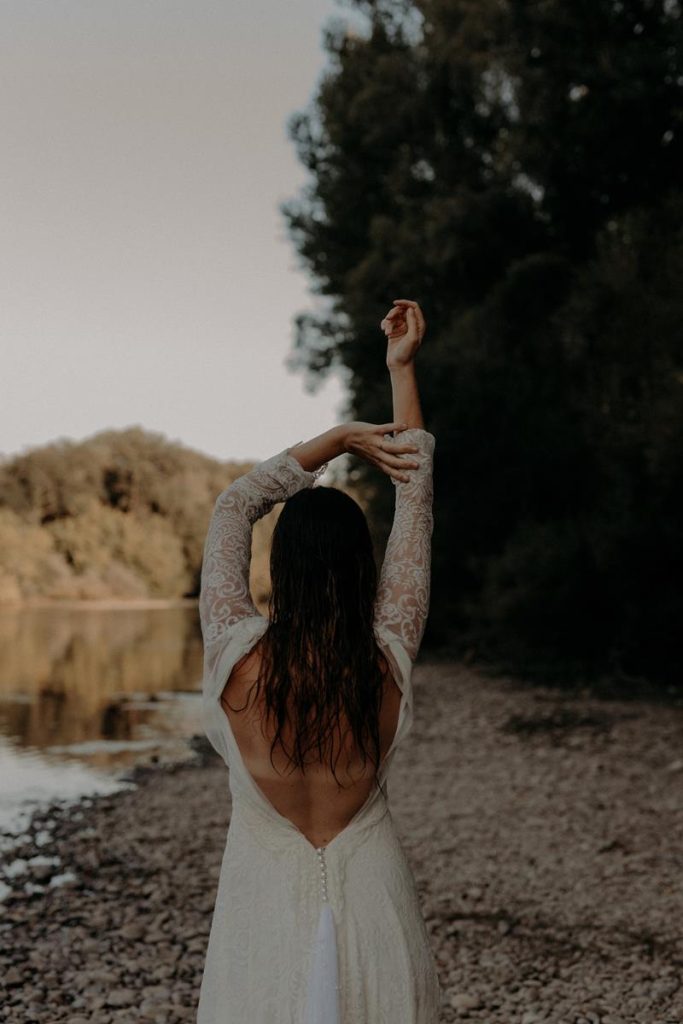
(87, 692)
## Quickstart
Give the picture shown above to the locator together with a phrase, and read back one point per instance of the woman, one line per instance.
(317, 919)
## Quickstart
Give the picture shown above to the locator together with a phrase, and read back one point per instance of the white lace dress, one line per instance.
(303, 934)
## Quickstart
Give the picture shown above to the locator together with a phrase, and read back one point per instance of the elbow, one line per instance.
(230, 498)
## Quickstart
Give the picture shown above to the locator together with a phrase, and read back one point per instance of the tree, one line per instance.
(515, 167)
(121, 514)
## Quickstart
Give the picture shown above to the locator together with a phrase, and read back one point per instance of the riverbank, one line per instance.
(545, 833)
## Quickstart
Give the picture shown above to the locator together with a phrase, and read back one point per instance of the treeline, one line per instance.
(516, 168)
(122, 514)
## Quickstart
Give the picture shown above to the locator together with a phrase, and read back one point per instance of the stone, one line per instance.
(120, 997)
(465, 1001)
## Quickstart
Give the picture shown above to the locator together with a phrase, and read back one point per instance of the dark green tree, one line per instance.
(515, 167)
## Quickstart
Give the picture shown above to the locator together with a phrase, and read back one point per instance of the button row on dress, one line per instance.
(320, 850)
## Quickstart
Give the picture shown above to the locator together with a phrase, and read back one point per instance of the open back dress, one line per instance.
(303, 934)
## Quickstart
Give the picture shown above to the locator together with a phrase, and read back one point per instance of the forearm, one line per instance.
(406, 396)
(402, 601)
(225, 597)
(320, 449)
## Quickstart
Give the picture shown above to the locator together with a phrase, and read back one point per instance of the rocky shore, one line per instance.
(545, 832)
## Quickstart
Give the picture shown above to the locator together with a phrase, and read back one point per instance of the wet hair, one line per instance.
(320, 662)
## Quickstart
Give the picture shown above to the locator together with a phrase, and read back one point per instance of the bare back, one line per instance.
(313, 800)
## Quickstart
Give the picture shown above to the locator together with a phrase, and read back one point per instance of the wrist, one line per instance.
(314, 455)
(339, 435)
(400, 369)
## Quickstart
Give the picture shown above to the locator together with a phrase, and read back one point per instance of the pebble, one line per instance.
(551, 888)
(12, 977)
(465, 1001)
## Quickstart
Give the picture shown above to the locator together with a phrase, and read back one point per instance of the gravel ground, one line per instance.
(545, 832)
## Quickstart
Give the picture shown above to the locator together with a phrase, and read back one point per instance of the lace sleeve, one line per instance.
(224, 597)
(404, 585)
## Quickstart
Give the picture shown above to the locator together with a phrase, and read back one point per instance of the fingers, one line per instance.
(415, 327)
(392, 449)
(396, 472)
(417, 318)
(396, 311)
(407, 304)
(397, 446)
(396, 462)
(395, 458)
(394, 321)
(396, 330)
(385, 428)
(393, 463)
(403, 447)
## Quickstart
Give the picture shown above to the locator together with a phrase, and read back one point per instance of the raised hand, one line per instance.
(367, 441)
(404, 327)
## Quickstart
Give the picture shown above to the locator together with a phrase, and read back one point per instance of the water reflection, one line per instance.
(94, 688)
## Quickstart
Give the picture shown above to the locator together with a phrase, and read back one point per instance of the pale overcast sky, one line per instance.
(146, 276)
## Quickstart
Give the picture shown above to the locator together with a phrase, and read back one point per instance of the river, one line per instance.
(86, 692)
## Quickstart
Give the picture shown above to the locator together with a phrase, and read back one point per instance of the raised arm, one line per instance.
(224, 597)
(402, 602)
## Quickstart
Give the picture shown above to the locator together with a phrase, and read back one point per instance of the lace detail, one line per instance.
(403, 594)
(404, 586)
(261, 945)
(314, 472)
(260, 958)
(224, 597)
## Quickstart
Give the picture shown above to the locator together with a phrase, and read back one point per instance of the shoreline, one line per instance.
(544, 832)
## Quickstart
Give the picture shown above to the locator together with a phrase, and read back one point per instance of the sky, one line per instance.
(146, 274)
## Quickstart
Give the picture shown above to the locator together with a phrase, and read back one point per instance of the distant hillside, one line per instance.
(122, 514)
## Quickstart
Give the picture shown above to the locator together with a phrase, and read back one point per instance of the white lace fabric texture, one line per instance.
(286, 947)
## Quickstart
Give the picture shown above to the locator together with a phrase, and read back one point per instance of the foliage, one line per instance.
(516, 168)
(29, 563)
(121, 514)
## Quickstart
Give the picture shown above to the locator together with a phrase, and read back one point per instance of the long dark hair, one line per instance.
(320, 658)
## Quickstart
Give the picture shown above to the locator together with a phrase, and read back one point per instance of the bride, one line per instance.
(317, 918)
